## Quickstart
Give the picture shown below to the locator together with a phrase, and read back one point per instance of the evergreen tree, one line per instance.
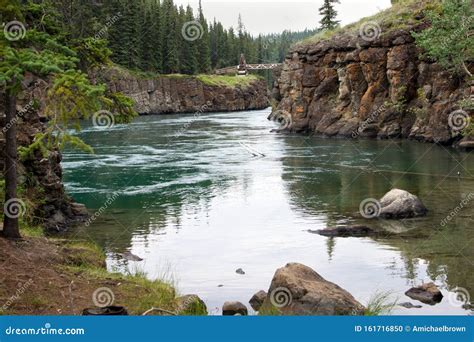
(204, 49)
(329, 15)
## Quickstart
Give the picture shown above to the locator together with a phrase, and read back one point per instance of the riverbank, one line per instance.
(176, 93)
(48, 276)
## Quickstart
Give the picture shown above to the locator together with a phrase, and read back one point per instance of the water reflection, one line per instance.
(199, 206)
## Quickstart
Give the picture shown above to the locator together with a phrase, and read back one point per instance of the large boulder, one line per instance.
(297, 289)
(398, 204)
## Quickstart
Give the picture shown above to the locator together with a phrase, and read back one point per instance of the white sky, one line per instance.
(270, 16)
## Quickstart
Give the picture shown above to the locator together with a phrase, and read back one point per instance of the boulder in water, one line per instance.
(297, 289)
(399, 204)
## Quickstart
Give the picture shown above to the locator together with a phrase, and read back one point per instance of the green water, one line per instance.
(196, 205)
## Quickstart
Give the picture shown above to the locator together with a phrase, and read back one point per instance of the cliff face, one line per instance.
(39, 176)
(187, 94)
(347, 86)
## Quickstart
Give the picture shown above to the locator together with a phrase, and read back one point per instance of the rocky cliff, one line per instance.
(187, 94)
(40, 177)
(41, 191)
(372, 84)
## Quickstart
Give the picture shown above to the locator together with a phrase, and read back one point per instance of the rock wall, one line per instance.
(39, 177)
(349, 87)
(185, 94)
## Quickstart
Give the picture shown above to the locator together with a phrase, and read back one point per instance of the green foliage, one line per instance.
(380, 304)
(449, 40)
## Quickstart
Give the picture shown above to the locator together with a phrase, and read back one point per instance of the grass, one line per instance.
(207, 79)
(401, 15)
(228, 81)
(380, 303)
(132, 290)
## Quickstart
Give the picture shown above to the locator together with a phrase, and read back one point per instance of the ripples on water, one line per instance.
(196, 205)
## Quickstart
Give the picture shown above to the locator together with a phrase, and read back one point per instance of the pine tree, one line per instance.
(329, 15)
(204, 49)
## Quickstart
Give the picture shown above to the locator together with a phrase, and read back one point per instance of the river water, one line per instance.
(188, 195)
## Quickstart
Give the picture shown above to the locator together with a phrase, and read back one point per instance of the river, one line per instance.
(188, 195)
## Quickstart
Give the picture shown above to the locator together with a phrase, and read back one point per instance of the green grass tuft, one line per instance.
(380, 303)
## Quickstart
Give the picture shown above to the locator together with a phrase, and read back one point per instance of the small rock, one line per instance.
(106, 311)
(398, 204)
(426, 293)
(239, 271)
(191, 304)
(257, 300)
(356, 231)
(409, 305)
(234, 308)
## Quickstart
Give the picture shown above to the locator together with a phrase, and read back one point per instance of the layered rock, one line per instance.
(185, 94)
(379, 88)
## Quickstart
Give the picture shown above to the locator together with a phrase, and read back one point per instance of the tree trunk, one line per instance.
(10, 222)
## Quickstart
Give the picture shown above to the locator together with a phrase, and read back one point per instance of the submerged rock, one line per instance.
(426, 293)
(234, 308)
(351, 231)
(131, 257)
(408, 305)
(297, 289)
(398, 204)
(257, 300)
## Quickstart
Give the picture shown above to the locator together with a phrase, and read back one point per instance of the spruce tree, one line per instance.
(204, 49)
(329, 15)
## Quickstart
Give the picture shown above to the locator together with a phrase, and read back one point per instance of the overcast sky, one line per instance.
(269, 16)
